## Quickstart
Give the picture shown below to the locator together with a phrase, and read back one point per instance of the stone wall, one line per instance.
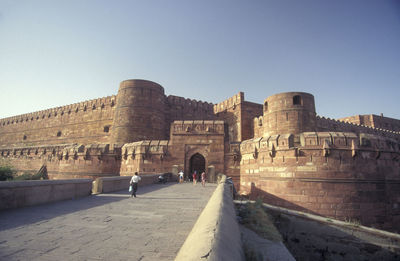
(327, 124)
(339, 175)
(216, 235)
(66, 161)
(27, 193)
(85, 122)
(111, 184)
(375, 121)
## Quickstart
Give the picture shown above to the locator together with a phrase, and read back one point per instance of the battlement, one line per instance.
(229, 103)
(60, 151)
(322, 141)
(84, 106)
(341, 125)
(207, 127)
(187, 103)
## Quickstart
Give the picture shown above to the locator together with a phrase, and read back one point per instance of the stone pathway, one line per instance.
(111, 226)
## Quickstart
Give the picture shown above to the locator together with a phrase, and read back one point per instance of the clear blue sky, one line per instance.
(346, 53)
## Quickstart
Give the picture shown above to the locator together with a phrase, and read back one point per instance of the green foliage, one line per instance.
(254, 217)
(6, 173)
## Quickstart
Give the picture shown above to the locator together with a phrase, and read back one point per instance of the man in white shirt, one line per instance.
(181, 176)
(134, 183)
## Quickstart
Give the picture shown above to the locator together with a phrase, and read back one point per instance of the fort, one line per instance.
(280, 151)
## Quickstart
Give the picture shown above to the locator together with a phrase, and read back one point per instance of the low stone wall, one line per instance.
(111, 184)
(216, 234)
(15, 194)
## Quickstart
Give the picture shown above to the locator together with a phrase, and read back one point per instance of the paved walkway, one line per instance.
(111, 226)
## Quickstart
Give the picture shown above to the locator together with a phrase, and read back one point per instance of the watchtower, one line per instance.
(289, 112)
(139, 112)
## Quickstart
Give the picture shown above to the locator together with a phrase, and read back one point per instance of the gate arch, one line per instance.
(197, 163)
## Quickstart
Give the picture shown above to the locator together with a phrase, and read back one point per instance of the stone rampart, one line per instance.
(216, 235)
(65, 161)
(84, 122)
(147, 156)
(333, 174)
(229, 103)
(15, 194)
(375, 121)
(111, 184)
(327, 124)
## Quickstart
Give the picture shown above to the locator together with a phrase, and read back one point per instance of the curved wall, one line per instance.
(289, 112)
(330, 174)
(139, 113)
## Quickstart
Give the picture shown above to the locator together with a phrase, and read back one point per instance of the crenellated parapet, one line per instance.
(85, 106)
(229, 103)
(145, 149)
(185, 103)
(197, 127)
(323, 142)
(324, 124)
(62, 152)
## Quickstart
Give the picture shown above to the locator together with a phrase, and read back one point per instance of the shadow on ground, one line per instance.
(12, 218)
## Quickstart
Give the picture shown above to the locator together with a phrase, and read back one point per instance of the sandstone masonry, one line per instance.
(281, 151)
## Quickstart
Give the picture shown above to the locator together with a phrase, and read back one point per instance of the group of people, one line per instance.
(194, 177)
(136, 178)
(202, 177)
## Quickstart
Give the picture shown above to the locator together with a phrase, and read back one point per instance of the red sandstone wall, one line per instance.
(230, 111)
(341, 179)
(86, 122)
(146, 157)
(283, 113)
(66, 161)
(187, 138)
(326, 124)
(375, 121)
(249, 112)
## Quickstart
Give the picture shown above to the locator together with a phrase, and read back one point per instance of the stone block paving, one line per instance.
(109, 226)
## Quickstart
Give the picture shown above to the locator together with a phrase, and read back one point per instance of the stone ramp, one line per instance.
(110, 226)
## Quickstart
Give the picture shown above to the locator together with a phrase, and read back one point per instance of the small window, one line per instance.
(59, 134)
(265, 106)
(297, 100)
(106, 128)
(24, 138)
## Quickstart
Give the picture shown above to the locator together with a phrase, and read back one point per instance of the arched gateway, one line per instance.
(197, 163)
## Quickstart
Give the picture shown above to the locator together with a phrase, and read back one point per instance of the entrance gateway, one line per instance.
(197, 163)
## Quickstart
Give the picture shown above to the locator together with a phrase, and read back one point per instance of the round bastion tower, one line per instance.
(139, 112)
(289, 112)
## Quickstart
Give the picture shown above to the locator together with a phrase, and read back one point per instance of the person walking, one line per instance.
(181, 176)
(194, 178)
(134, 183)
(203, 179)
